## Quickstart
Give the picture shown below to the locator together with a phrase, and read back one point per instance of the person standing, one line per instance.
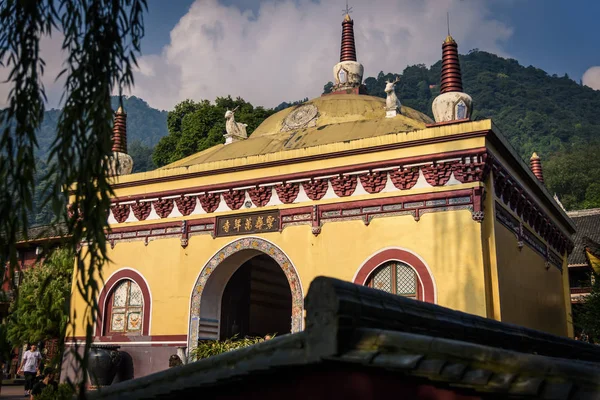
(30, 365)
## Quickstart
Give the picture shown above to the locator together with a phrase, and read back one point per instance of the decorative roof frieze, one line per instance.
(314, 216)
(388, 177)
(517, 199)
(441, 170)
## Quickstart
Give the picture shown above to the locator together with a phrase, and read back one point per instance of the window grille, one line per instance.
(395, 277)
(127, 308)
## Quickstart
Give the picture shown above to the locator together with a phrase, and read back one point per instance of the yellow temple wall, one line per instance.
(490, 261)
(448, 242)
(530, 294)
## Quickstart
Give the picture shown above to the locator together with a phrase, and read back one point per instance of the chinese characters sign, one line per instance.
(248, 223)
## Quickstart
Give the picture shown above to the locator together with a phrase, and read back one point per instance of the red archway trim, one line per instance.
(425, 278)
(109, 286)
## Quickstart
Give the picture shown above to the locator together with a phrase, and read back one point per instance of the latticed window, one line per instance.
(395, 277)
(127, 308)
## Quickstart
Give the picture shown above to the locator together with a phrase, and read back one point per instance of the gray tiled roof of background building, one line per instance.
(588, 225)
(42, 232)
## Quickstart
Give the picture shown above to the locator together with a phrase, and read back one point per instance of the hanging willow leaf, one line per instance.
(101, 41)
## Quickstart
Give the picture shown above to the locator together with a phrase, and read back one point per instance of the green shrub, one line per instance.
(64, 392)
(209, 348)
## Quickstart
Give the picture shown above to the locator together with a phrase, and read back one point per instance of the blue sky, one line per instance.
(557, 36)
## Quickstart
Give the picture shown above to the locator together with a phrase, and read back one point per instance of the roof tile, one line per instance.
(588, 225)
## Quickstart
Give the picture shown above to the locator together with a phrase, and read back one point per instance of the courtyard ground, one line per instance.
(12, 392)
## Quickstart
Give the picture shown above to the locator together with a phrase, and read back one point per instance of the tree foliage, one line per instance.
(196, 126)
(285, 104)
(574, 175)
(6, 346)
(41, 309)
(588, 313)
(63, 392)
(101, 39)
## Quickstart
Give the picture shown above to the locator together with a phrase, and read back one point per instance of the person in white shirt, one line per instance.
(30, 365)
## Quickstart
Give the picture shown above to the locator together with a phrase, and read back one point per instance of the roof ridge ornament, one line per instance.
(236, 131)
(392, 103)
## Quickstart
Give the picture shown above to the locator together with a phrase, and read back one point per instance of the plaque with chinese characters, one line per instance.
(242, 224)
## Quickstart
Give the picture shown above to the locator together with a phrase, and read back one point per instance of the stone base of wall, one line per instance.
(137, 361)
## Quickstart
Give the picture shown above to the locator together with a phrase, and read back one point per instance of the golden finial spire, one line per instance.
(347, 12)
(449, 38)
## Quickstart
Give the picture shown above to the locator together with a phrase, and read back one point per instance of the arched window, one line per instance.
(395, 277)
(126, 308)
(398, 271)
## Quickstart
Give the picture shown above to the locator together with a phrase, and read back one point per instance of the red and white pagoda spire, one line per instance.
(120, 163)
(452, 104)
(536, 167)
(348, 73)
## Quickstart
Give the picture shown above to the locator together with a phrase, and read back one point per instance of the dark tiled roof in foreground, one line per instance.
(355, 328)
(588, 225)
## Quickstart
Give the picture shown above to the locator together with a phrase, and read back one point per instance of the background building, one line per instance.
(580, 271)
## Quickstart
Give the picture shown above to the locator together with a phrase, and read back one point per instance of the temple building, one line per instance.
(359, 188)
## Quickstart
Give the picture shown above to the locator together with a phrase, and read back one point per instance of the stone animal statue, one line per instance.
(234, 129)
(392, 102)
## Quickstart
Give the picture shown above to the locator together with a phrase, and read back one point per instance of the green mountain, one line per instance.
(145, 124)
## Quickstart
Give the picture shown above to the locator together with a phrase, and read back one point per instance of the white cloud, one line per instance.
(287, 51)
(51, 53)
(591, 78)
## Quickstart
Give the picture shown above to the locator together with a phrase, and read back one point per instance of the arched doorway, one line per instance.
(210, 289)
(256, 301)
